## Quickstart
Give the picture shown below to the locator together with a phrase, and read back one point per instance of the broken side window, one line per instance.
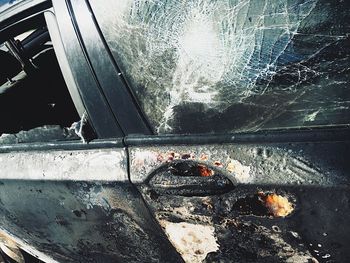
(224, 66)
(35, 105)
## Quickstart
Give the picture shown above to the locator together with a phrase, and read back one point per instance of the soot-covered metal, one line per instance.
(78, 206)
(254, 203)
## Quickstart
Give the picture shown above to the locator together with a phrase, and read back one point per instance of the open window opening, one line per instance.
(35, 104)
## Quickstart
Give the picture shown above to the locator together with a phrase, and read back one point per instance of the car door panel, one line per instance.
(77, 205)
(284, 202)
(72, 201)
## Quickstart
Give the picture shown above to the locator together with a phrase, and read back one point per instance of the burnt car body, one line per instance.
(214, 131)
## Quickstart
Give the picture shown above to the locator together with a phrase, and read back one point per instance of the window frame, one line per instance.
(109, 82)
(83, 87)
(99, 113)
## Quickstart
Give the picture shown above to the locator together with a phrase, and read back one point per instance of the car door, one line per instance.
(61, 199)
(266, 198)
(249, 104)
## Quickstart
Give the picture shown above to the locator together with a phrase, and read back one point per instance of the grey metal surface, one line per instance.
(83, 165)
(321, 164)
(78, 206)
(101, 116)
(312, 176)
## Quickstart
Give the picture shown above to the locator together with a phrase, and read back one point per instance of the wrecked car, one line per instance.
(174, 131)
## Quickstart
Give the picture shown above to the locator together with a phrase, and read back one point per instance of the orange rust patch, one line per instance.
(171, 157)
(205, 171)
(278, 206)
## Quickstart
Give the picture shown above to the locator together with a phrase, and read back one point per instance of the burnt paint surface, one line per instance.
(83, 221)
(313, 176)
(78, 206)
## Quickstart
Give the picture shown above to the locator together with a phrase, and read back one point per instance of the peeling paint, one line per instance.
(291, 254)
(10, 248)
(192, 241)
(241, 172)
(237, 235)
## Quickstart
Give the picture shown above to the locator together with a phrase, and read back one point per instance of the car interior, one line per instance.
(33, 92)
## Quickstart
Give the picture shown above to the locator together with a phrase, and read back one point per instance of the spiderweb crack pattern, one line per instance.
(214, 53)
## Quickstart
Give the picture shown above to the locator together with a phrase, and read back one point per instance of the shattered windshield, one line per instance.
(231, 66)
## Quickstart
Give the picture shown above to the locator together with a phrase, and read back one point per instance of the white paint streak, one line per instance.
(97, 165)
(240, 171)
(192, 241)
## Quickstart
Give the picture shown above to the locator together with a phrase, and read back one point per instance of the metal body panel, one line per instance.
(78, 206)
(82, 165)
(321, 164)
(109, 76)
(104, 203)
(83, 221)
(99, 113)
(312, 176)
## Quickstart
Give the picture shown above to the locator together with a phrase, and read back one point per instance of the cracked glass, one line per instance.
(203, 66)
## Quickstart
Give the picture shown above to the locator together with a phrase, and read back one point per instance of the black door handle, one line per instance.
(189, 178)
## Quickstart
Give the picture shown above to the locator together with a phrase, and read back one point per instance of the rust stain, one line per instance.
(240, 171)
(175, 156)
(205, 171)
(278, 206)
(171, 157)
(218, 164)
